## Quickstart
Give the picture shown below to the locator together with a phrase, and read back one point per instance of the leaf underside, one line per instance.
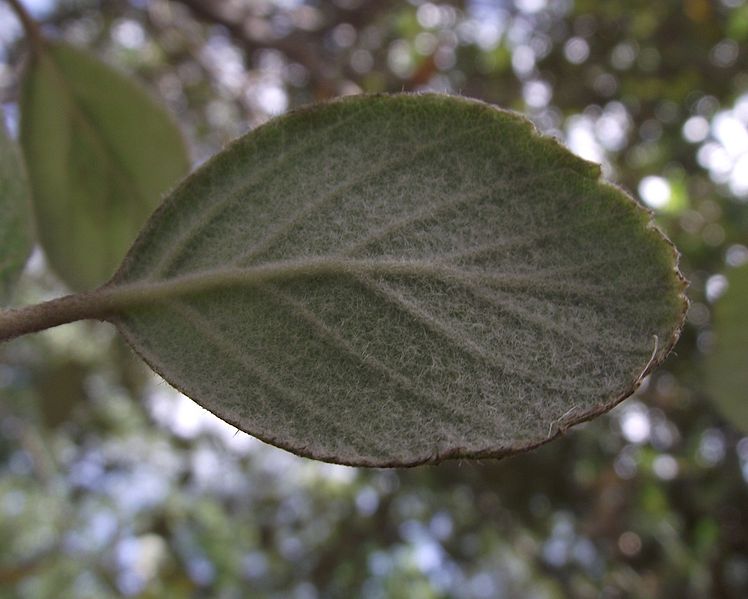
(101, 153)
(727, 366)
(15, 229)
(392, 280)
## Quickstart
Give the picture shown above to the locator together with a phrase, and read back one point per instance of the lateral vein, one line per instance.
(371, 362)
(309, 208)
(208, 212)
(459, 341)
(241, 356)
(430, 211)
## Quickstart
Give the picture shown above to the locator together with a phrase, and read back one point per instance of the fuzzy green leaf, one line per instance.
(727, 367)
(100, 153)
(390, 280)
(15, 228)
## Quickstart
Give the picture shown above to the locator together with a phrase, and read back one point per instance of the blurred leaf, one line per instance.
(727, 367)
(15, 228)
(389, 280)
(61, 389)
(737, 25)
(100, 154)
(678, 201)
(706, 535)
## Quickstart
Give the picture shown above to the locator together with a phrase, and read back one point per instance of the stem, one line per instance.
(30, 319)
(112, 299)
(30, 27)
(109, 301)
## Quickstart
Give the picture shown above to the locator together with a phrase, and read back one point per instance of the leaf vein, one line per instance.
(241, 356)
(210, 211)
(371, 362)
(549, 324)
(457, 340)
(522, 240)
(430, 211)
(315, 204)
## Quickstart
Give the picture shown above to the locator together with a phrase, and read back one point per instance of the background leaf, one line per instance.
(727, 366)
(15, 228)
(101, 153)
(390, 280)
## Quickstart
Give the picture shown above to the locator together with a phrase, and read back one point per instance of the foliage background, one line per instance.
(113, 485)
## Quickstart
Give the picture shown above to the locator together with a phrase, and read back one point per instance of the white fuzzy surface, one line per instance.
(398, 279)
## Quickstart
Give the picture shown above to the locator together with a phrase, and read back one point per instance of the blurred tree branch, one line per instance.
(303, 47)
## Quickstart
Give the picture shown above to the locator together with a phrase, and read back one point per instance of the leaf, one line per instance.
(61, 388)
(391, 280)
(100, 154)
(15, 228)
(727, 365)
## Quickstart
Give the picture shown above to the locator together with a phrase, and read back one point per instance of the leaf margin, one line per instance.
(661, 350)
(26, 235)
